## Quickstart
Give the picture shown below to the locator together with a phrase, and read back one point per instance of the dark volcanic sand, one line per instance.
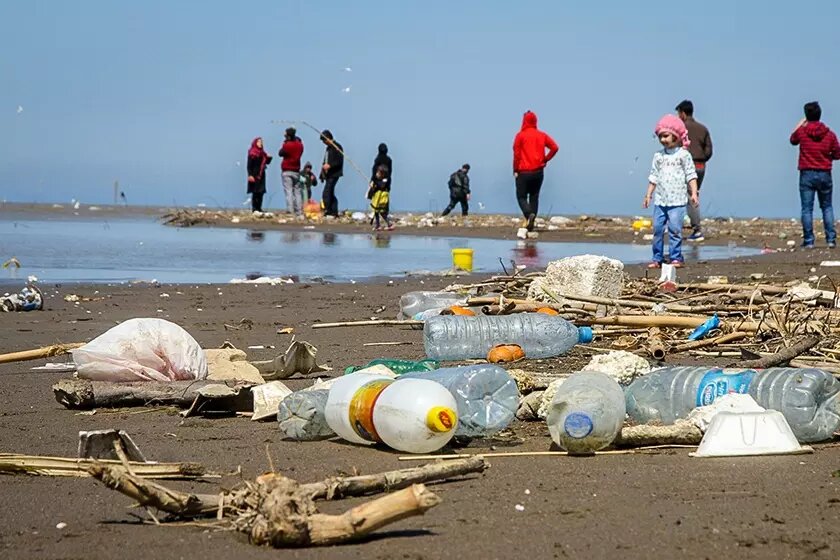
(659, 505)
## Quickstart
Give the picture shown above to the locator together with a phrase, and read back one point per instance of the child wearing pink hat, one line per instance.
(672, 175)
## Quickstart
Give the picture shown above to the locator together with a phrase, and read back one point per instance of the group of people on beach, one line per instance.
(676, 176)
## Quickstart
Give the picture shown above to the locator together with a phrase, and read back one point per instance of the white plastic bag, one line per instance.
(142, 350)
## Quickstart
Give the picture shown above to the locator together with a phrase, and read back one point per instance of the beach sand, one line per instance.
(656, 505)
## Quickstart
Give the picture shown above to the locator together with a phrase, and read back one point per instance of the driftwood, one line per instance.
(38, 353)
(278, 511)
(82, 394)
(781, 357)
(681, 433)
(68, 466)
(723, 339)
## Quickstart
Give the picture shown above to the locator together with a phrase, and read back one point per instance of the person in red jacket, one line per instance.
(818, 148)
(291, 152)
(529, 160)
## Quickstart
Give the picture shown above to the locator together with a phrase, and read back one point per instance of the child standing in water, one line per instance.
(672, 174)
(380, 197)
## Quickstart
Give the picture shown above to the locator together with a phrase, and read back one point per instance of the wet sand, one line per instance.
(658, 505)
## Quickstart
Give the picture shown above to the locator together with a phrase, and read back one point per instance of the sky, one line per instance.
(166, 96)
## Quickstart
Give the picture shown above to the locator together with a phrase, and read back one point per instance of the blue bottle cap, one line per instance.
(578, 425)
(585, 334)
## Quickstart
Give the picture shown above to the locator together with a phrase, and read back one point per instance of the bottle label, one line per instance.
(578, 425)
(361, 408)
(718, 382)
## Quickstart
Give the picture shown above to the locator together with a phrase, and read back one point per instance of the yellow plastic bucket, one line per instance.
(463, 259)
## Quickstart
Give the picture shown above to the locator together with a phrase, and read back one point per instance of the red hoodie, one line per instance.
(818, 146)
(291, 152)
(529, 146)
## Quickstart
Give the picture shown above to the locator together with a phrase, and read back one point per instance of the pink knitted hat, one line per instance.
(674, 125)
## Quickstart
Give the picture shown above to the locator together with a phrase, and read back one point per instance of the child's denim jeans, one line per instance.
(672, 217)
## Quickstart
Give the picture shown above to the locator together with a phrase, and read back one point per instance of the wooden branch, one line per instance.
(38, 353)
(695, 344)
(82, 394)
(781, 357)
(377, 322)
(145, 492)
(335, 488)
(67, 466)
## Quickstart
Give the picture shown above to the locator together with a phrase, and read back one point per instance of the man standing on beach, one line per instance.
(331, 170)
(529, 161)
(459, 191)
(818, 148)
(701, 152)
(291, 152)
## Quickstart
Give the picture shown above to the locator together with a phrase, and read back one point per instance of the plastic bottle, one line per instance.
(301, 415)
(808, 398)
(399, 367)
(411, 415)
(587, 412)
(462, 338)
(486, 395)
(413, 303)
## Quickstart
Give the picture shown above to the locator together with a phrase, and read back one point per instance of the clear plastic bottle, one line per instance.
(411, 415)
(301, 415)
(587, 412)
(808, 398)
(457, 337)
(486, 395)
(413, 303)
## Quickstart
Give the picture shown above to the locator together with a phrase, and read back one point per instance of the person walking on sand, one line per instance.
(257, 162)
(701, 151)
(331, 171)
(672, 177)
(459, 190)
(529, 161)
(291, 151)
(818, 148)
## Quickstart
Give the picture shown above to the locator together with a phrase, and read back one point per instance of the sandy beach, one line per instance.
(638, 505)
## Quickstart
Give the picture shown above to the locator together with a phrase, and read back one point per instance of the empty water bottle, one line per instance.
(587, 412)
(413, 303)
(411, 415)
(301, 415)
(486, 395)
(462, 338)
(808, 398)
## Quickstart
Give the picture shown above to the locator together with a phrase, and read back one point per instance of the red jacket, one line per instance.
(818, 146)
(529, 146)
(291, 152)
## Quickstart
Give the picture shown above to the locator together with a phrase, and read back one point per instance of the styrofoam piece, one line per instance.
(702, 416)
(733, 434)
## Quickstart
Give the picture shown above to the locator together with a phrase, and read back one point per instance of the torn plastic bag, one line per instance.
(142, 350)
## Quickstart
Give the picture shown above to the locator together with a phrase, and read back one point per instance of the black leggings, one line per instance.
(257, 201)
(528, 191)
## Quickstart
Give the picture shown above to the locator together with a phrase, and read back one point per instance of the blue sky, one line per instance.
(166, 96)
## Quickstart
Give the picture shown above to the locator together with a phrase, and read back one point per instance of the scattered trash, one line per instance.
(718, 280)
(263, 280)
(28, 299)
(830, 263)
(267, 399)
(231, 364)
(61, 525)
(413, 303)
(734, 434)
(301, 415)
(56, 367)
(399, 367)
(622, 366)
(115, 445)
(502, 353)
(668, 278)
(587, 413)
(141, 350)
(584, 275)
(298, 358)
(731, 402)
(37, 465)
(708, 326)
(286, 330)
(220, 399)
(410, 415)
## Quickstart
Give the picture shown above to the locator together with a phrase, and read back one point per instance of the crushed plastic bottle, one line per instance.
(301, 415)
(410, 415)
(413, 303)
(808, 398)
(398, 366)
(28, 299)
(462, 338)
(587, 412)
(486, 395)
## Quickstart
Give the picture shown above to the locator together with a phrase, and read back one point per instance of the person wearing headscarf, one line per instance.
(383, 160)
(258, 160)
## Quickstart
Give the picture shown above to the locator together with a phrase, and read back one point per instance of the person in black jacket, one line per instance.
(459, 190)
(384, 160)
(257, 162)
(331, 170)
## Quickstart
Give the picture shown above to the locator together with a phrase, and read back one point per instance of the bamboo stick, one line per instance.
(694, 344)
(539, 453)
(376, 322)
(655, 345)
(11, 463)
(38, 353)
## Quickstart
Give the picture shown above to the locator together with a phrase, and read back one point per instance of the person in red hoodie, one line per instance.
(818, 148)
(529, 160)
(291, 151)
